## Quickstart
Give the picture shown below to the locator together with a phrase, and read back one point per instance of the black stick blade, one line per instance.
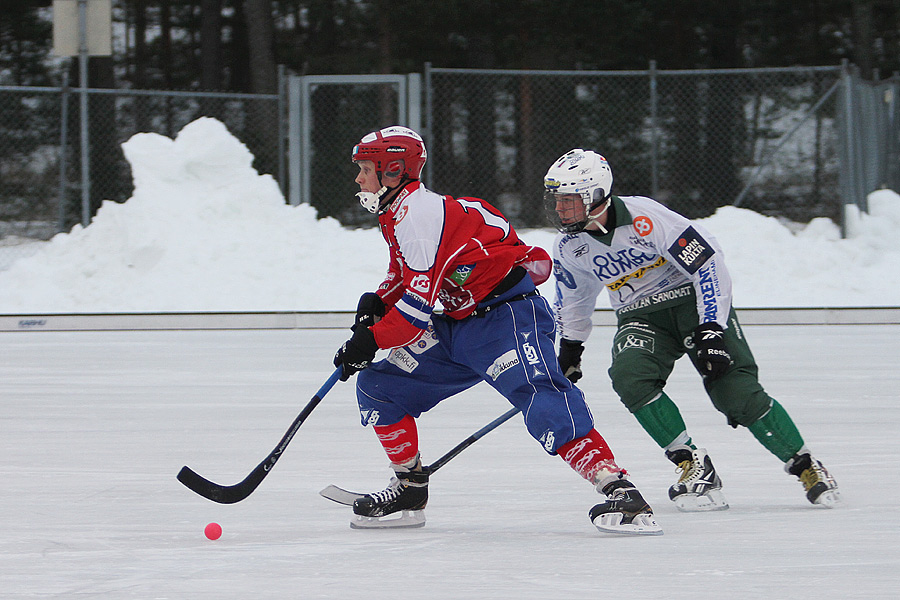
(229, 494)
(223, 494)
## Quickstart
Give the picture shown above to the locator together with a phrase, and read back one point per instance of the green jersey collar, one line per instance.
(623, 217)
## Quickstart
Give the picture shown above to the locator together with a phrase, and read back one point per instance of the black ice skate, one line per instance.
(698, 488)
(820, 486)
(625, 511)
(406, 494)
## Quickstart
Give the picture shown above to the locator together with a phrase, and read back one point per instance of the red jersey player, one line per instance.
(494, 327)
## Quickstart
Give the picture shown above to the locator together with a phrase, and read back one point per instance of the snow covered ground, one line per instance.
(204, 232)
(97, 424)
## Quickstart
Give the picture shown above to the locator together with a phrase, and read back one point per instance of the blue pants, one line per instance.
(512, 348)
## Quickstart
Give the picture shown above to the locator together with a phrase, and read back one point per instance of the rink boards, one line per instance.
(342, 319)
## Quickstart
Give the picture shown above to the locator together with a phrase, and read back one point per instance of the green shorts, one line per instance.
(650, 339)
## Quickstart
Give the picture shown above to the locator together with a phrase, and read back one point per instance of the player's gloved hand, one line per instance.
(712, 355)
(357, 353)
(369, 310)
(570, 359)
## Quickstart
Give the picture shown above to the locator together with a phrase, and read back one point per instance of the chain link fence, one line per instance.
(870, 151)
(690, 139)
(777, 141)
(40, 149)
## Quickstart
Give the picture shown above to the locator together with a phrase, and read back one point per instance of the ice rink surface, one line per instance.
(94, 426)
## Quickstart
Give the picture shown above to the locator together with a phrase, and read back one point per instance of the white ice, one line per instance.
(94, 426)
(97, 424)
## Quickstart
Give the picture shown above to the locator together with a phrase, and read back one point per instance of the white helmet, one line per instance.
(581, 172)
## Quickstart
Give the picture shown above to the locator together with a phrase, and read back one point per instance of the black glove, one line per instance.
(369, 310)
(712, 355)
(570, 359)
(357, 353)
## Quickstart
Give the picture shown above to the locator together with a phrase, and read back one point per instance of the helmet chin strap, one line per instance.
(592, 219)
(374, 202)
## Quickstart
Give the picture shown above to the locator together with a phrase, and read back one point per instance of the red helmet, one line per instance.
(395, 151)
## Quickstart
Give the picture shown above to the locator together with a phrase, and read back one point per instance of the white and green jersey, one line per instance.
(651, 257)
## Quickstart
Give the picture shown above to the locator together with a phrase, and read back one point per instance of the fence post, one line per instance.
(63, 145)
(282, 134)
(83, 83)
(847, 171)
(429, 120)
(654, 133)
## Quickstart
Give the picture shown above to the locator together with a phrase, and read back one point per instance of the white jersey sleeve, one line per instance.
(576, 289)
(695, 252)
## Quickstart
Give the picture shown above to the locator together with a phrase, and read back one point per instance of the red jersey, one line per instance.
(452, 251)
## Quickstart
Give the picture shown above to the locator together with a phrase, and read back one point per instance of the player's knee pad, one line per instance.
(740, 405)
(633, 391)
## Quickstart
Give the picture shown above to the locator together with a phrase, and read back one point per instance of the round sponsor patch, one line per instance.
(643, 225)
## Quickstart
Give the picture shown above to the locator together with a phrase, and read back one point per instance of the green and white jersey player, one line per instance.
(671, 291)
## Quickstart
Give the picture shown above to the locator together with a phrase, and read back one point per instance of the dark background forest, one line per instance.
(235, 45)
(238, 46)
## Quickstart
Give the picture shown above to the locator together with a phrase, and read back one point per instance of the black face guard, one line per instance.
(551, 201)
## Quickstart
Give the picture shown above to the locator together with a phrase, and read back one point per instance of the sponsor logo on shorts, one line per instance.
(549, 440)
(635, 341)
(370, 416)
(403, 360)
(531, 354)
(425, 342)
(503, 363)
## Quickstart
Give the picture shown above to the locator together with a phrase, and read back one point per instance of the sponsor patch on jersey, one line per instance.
(690, 250)
(643, 225)
(618, 283)
(503, 363)
(563, 276)
(420, 283)
(462, 273)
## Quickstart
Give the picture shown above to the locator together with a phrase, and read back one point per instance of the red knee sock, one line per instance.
(589, 455)
(400, 440)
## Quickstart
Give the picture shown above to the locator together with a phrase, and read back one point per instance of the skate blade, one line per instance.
(712, 500)
(406, 519)
(642, 524)
(828, 498)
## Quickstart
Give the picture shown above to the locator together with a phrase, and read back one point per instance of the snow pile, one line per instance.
(204, 232)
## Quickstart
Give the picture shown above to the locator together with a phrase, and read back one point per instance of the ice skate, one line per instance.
(698, 488)
(401, 504)
(625, 511)
(820, 486)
